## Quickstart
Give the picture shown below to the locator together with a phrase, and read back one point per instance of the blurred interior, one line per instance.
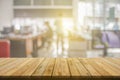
(59, 28)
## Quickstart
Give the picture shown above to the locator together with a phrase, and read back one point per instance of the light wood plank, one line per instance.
(41, 68)
(49, 69)
(110, 69)
(28, 68)
(57, 69)
(81, 68)
(10, 66)
(61, 68)
(14, 69)
(90, 68)
(65, 68)
(110, 63)
(98, 68)
(114, 61)
(73, 69)
(6, 61)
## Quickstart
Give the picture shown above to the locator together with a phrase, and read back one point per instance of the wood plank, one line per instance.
(28, 67)
(2, 59)
(10, 66)
(61, 68)
(65, 68)
(98, 68)
(16, 67)
(6, 61)
(73, 69)
(81, 68)
(41, 68)
(116, 67)
(57, 69)
(90, 68)
(49, 69)
(110, 69)
(114, 61)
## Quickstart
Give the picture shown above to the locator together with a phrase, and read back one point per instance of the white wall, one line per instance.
(6, 12)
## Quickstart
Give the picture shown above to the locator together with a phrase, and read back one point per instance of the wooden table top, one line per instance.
(59, 68)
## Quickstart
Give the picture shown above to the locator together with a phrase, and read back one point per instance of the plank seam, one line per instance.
(53, 68)
(38, 66)
(69, 68)
(85, 67)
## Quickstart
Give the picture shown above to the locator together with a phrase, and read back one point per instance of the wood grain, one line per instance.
(41, 68)
(50, 68)
(61, 68)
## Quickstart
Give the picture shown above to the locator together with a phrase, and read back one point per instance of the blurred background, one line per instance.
(59, 28)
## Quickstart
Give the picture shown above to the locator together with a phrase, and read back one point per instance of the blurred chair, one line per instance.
(4, 48)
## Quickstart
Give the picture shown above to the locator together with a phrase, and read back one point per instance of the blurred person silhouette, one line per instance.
(48, 35)
(59, 32)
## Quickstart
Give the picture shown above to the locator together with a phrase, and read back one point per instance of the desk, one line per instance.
(60, 68)
(23, 45)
